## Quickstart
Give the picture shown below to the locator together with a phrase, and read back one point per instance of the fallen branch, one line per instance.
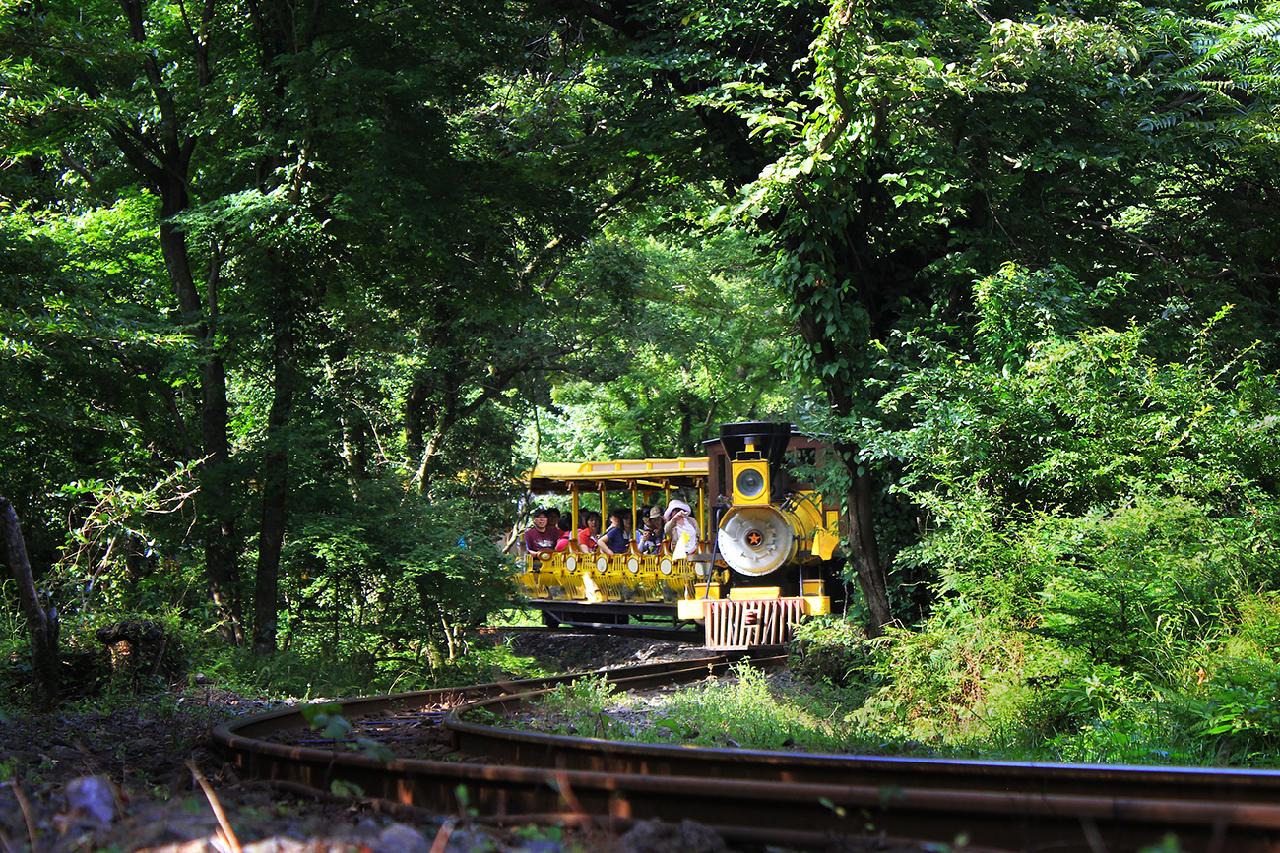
(442, 837)
(27, 816)
(228, 834)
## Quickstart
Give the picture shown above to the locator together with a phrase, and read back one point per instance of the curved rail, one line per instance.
(789, 798)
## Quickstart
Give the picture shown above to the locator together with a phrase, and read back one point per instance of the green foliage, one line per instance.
(745, 713)
(831, 649)
(581, 707)
(701, 338)
(417, 577)
(327, 719)
(1102, 518)
(742, 710)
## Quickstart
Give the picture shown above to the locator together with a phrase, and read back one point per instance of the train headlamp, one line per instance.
(750, 483)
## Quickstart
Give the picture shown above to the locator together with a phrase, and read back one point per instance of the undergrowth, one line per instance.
(291, 675)
(742, 710)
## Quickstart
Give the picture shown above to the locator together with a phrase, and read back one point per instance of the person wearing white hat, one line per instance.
(681, 529)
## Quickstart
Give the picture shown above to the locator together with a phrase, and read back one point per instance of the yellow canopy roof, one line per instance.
(553, 476)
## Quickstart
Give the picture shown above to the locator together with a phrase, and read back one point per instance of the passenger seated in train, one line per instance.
(650, 535)
(614, 540)
(564, 532)
(540, 537)
(590, 530)
(681, 529)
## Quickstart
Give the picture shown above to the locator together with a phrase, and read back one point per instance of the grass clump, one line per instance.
(743, 711)
(582, 708)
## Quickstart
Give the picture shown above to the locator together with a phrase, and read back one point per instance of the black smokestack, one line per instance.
(770, 438)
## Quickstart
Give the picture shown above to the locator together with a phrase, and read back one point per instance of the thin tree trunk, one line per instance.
(275, 485)
(353, 452)
(866, 550)
(163, 158)
(215, 503)
(413, 426)
(42, 625)
(422, 475)
(684, 439)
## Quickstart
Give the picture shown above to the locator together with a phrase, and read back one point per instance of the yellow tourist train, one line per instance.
(764, 559)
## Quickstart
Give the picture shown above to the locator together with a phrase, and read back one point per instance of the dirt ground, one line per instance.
(121, 780)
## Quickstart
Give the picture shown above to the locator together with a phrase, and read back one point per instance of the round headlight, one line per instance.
(571, 564)
(665, 566)
(633, 565)
(750, 483)
(602, 564)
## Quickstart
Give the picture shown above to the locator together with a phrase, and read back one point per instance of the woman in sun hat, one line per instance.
(681, 529)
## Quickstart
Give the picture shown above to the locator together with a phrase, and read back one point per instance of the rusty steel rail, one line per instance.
(639, 631)
(775, 797)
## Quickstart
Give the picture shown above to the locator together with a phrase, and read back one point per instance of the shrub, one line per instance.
(1102, 524)
(831, 649)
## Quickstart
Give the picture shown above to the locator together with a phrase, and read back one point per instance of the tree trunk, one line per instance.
(275, 484)
(422, 475)
(215, 503)
(865, 551)
(354, 453)
(413, 426)
(865, 548)
(684, 437)
(163, 158)
(42, 625)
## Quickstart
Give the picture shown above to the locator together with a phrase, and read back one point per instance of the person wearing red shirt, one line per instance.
(587, 535)
(563, 532)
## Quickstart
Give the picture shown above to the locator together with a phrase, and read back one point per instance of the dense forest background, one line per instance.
(290, 293)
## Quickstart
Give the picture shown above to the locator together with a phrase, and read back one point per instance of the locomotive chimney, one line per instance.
(768, 439)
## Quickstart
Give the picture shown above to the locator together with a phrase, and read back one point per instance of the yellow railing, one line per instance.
(623, 577)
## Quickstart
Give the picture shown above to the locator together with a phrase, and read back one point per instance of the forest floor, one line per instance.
(114, 775)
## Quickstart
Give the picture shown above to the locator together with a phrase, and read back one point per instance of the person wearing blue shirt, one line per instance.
(614, 540)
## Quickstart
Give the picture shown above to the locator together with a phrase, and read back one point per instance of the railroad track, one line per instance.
(755, 797)
(636, 631)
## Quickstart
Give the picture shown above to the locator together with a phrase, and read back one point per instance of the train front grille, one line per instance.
(743, 624)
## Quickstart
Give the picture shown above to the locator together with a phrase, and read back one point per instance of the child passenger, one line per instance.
(649, 537)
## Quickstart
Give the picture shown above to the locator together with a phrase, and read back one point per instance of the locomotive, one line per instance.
(766, 557)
